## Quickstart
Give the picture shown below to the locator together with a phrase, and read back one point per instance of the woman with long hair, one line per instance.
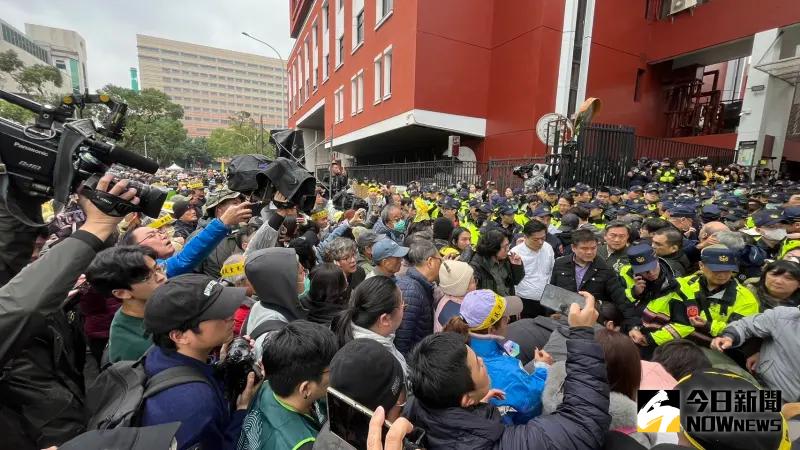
(326, 297)
(375, 311)
(779, 285)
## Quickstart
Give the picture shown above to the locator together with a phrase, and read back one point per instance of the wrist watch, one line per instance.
(636, 328)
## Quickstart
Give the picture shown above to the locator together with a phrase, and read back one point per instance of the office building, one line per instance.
(385, 81)
(213, 84)
(67, 52)
(30, 53)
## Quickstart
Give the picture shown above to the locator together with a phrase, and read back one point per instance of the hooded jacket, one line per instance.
(273, 274)
(579, 422)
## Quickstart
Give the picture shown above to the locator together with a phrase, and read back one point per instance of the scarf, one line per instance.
(386, 341)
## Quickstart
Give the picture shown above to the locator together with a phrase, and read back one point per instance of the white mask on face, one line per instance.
(775, 234)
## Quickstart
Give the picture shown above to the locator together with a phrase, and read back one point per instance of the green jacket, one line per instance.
(271, 424)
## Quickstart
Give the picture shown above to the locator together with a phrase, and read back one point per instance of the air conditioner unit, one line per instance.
(677, 6)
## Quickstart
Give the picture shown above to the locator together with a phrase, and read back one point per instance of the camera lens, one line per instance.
(151, 199)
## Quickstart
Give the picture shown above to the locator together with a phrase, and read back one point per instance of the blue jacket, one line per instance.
(196, 250)
(579, 423)
(381, 228)
(202, 409)
(523, 390)
(418, 316)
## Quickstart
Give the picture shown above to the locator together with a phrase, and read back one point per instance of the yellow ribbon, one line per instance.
(232, 270)
(495, 314)
(319, 215)
(161, 221)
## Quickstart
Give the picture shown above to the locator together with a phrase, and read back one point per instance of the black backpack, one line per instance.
(116, 398)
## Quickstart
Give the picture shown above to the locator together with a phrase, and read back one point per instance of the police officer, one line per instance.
(506, 222)
(647, 278)
(666, 174)
(772, 231)
(710, 300)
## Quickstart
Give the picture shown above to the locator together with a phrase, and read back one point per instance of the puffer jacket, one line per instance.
(523, 390)
(579, 423)
(418, 316)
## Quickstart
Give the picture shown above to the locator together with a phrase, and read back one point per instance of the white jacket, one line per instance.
(538, 268)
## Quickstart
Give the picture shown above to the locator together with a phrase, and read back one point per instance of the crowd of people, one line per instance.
(422, 303)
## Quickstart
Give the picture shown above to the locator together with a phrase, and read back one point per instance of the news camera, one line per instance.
(58, 154)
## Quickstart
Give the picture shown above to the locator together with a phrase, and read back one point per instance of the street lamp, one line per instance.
(284, 106)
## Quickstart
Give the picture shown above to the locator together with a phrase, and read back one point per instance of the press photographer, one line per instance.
(43, 349)
(51, 159)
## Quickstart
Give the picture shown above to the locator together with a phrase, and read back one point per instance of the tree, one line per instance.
(241, 136)
(195, 150)
(31, 80)
(152, 123)
(16, 113)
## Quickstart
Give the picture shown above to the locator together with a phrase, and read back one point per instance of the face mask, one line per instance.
(400, 226)
(776, 234)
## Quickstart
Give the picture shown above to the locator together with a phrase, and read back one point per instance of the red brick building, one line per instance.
(390, 80)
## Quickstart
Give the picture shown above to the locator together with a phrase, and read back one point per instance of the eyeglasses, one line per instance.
(154, 272)
(152, 234)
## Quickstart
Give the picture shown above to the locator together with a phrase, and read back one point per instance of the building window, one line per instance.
(326, 59)
(339, 51)
(382, 10)
(387, 73)
(315, 56)
(360, 91)
(338, 105)
(339, 5)
(358, 23)
(377, 75)
(353, 96)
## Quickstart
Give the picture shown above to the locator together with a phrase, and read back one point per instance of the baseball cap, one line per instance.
(506, 210)
(637, 188)
(483, 308)
(190, 298)
(791, 213)
(551, 191)
(653, 187)
(768, 217)
(179, 208)
(385, 248)
(449, 203)
(541, 211)
(642, 258)
(682, 211)
(366, 372)
(736, 214)
(710, 212)
(485, 208)
(719, 258)
(776, 197)
(615, 191)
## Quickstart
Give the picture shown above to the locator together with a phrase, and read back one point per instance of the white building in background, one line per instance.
(67, 51)
(30, 53)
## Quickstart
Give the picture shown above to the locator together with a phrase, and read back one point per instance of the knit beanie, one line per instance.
(454, 277)
(442, 228)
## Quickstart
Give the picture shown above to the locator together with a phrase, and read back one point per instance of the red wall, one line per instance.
(716, 22)
(727, 140)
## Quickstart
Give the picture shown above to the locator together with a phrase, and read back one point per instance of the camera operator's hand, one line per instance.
(237, 214)
(284, 212)
(585, 317)
(249, 392)
(394, 437)
(97, 222)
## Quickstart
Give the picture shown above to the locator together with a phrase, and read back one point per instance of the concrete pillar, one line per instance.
(765, 111)
(315, 150)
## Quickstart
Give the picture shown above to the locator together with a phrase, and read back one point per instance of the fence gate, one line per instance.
(600, 157)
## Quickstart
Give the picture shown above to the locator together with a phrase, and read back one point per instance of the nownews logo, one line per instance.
(714, 411)
(659, 411)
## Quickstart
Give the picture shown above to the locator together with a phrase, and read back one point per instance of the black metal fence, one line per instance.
(655, 148)
(601, 156)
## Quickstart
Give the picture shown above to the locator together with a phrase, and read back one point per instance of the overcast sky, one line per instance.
(110, 27)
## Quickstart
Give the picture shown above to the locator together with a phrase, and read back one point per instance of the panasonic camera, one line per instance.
(57, 154)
